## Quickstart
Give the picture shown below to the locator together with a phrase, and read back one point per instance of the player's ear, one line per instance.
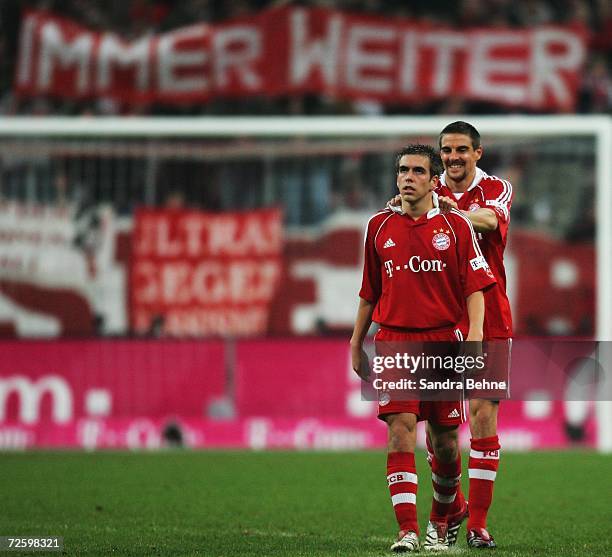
(478, 152)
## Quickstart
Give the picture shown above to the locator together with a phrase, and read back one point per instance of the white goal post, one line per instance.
(597, 126)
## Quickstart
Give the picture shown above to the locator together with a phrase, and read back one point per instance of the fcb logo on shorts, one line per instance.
(474, 207)
(384, 398)
(441, 241)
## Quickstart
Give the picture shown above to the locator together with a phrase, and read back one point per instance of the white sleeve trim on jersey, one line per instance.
(365, 238)
(450, 226)
(502, 200)
(500, 206)
(471, 228)
(475, 244)
(508, 195)
(380, 227)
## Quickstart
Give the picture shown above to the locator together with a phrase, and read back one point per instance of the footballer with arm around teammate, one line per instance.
(486, 201)
(423, 270)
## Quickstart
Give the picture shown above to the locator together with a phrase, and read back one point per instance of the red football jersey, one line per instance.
(490, 192)
(419, 272)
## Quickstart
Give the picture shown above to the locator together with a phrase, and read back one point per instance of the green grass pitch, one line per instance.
(278, 503)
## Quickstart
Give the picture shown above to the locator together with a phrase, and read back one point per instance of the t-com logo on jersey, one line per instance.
(481, 263)
(416, 265)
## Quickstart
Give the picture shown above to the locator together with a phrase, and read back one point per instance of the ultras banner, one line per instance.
(204, 274)
(299, 50)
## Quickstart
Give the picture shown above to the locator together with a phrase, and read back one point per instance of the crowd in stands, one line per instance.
(325, 185)
(135, 18)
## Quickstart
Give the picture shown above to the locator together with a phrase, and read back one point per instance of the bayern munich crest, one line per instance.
(441, 241)
(474, 207)
(384, 398)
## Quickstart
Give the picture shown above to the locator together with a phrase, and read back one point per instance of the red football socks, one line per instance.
(446, 478)
(449, 483)
(484, 460)
(402, 480)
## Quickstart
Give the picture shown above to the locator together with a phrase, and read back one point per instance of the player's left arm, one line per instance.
(475, 274)
(359, 358)
(498, 195)
(483, 220)
(476, 312)
(495, 215)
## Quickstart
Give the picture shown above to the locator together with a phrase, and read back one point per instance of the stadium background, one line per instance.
(122, 328)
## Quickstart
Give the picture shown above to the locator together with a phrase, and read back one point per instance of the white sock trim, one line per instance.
(403, 498)
(399, 477)
(446, 482)
(478, 474)
(486, 455)
(441, 498)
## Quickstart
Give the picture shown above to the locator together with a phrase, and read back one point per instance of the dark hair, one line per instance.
(427, 151)
(462, 128)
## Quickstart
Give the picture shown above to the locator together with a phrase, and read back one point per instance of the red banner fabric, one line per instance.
(304, 50)
(203, 274)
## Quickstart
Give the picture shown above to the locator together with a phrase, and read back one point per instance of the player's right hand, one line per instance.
(472, 348)
(394, 202)
(360, 362)
(446, 204)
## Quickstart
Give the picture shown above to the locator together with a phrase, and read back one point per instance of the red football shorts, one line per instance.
(446, 413)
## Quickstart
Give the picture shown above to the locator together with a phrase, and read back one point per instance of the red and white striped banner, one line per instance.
(298, 50)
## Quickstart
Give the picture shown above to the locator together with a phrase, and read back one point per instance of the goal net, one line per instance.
(70, 190)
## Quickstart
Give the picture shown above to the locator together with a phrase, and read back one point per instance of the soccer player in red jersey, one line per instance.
(485, 200)
(423, 270)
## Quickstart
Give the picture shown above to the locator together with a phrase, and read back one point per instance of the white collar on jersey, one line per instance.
(480, 174)
(436, 210)
(434, 197)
